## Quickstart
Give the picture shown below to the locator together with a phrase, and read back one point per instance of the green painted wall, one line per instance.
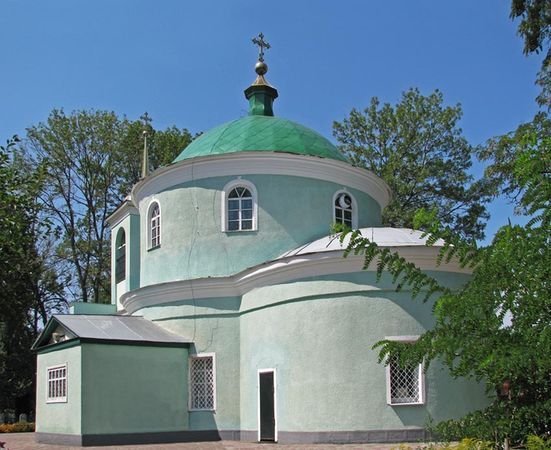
(91, 308)
(133, 271)
(292, 211)
(318, 333)
(211, 333)
(133, 389)
(328, 375)
(62, 418)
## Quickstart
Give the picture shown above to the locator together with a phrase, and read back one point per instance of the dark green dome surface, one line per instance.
(261, 133)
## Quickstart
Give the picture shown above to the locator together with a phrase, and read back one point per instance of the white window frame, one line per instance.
(190, 391)
(273, 370)
(152, 204)
(421, 379)
(64, 380)
(239, 182)
(354, 207)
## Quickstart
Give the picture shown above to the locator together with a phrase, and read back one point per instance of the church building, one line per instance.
(234, 314)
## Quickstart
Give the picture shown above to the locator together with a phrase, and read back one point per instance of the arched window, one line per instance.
(239, 206)
(120, 256)
(154, 225)
(240, 209)
(345, 210)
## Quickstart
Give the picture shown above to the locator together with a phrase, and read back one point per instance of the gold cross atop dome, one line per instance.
(260, 94)
(262, 44)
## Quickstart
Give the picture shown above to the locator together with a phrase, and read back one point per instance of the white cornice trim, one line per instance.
(124, 210)
(271, 273)
(263, 163)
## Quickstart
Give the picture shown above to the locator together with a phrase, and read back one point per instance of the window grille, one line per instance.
(120, 262)
(57, 384)
(155, 226)
(405, 383)
(240, 209)
(343, 209)
(202, 382)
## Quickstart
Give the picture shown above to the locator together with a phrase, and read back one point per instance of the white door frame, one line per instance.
(258, 400)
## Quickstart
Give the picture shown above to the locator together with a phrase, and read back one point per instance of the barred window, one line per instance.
(202, 383)
(57, 384)
(405, 385)
(120, 258)
(344, 209)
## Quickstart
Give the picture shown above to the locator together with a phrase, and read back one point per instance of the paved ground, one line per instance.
(25, 441)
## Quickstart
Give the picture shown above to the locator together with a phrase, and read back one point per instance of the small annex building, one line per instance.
(234, 314)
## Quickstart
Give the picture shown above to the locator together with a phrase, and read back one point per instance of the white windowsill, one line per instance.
(61, 400)
(406, 404)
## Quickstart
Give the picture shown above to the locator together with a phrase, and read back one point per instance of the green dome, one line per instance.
(261, 133)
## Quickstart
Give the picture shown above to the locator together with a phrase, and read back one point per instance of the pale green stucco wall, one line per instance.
(292, 211)
(65, 417)
(318, 334)
(328, 375)
(92, 308)
(211, 333)
(133, 389)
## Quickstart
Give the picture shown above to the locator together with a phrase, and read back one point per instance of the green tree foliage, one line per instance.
(418, 149)
(531, 142)
(535, 29)
(496, 328)
(79, 153)
(90, 160)
(18, 267)
(163, 146)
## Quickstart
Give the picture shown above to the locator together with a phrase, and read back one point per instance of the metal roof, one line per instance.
(261, 133)
(111, 328)
(382, 236)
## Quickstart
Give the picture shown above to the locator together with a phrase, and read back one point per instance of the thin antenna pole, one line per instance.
(145, 163)
(145, 160)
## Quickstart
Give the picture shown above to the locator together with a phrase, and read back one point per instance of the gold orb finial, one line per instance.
(261, 68)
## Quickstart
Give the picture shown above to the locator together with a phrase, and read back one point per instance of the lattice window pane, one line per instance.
(404, 383)
(202, 382)
(57, 384)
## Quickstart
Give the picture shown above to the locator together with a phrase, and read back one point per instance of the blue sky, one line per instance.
(187, 63)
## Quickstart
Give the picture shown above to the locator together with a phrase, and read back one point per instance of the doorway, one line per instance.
(267, 425)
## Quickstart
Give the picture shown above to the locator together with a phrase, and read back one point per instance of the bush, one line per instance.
(465, 444)
(532, 443)
(499, 421)
(538, 443)
(19, 427)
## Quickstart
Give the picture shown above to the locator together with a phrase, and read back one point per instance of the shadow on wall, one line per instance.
(203, 427)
